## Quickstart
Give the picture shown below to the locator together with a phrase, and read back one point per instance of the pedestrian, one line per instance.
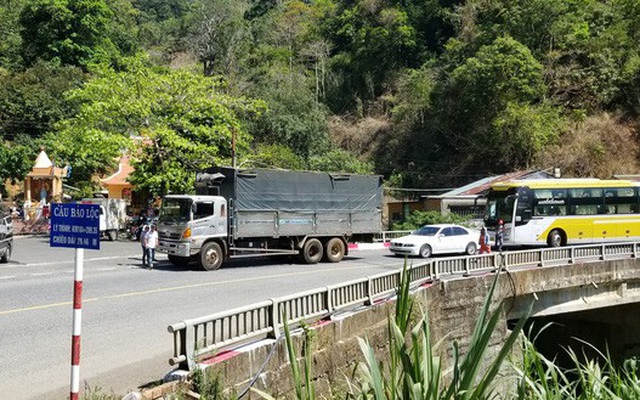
(152, 243)
(500, 235)
(144, 231)
(484, 241)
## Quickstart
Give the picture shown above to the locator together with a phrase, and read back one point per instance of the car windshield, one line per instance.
(426, 231)
(174, 210)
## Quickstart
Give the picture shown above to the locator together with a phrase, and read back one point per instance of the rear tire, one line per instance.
(471, 249)
(555, 238)
(112, 235)
(334, 250)
(210, 256)
(179, 261)
(7, 255)
(312, 251)
(425, 251)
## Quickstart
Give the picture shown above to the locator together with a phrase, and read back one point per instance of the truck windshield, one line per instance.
(499, 207)
(174, 210)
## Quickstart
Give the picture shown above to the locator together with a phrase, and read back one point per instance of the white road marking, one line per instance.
(68, 262)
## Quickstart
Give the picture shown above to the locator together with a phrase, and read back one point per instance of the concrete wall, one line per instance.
(453, 308)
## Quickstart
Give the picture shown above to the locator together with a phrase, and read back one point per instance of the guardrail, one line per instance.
(386, 236)
(195, 338)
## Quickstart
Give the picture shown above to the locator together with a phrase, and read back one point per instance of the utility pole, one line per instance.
(233, 147)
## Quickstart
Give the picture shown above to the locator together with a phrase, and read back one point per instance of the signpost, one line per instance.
(76, 226)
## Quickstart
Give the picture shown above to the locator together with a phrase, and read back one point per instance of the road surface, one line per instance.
(126, 310)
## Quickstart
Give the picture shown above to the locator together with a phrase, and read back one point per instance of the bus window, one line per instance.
(624, 209)
(542, 194)
(555, 210)
(585, 209)
(620, 200)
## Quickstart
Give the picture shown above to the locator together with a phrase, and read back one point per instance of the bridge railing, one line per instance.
(196, 338)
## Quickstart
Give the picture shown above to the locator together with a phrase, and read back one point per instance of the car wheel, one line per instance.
(7, 255)
(471, 249)
(425, 251)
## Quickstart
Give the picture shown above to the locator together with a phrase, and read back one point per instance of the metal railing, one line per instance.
(203, 336)
(386, 236)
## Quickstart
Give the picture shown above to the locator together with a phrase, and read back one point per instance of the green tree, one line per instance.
(75, 32)
(586, 46)
(339, 160)
(16, 159)
(31, 101)
(10, 33)
(420, 218)
(174, 123)
(371, 41)
(273, 156)
(502, 87)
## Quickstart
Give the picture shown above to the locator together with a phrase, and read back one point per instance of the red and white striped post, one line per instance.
(77, 324)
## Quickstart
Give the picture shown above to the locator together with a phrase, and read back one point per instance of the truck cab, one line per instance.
(187, 222)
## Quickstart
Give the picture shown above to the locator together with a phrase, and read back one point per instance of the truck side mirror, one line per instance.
(194, 208)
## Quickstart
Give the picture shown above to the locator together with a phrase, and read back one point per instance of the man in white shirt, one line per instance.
(151, 243)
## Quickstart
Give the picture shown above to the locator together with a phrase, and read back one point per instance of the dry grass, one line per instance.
(600, 146)
(361, 137)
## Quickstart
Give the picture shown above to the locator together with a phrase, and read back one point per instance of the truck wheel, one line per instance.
(334, 250)
(210, 256)
(7, 255)
(312, 251)
(112, 235)
(179, 261)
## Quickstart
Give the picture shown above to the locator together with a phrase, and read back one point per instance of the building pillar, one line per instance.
(27, 191)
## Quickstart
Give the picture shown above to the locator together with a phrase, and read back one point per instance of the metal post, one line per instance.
(274, 320)
(77, 324)
(233, 147)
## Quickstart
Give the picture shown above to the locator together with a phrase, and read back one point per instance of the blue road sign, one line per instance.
(75, 225)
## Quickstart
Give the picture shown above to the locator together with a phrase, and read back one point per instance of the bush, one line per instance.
(420, 218)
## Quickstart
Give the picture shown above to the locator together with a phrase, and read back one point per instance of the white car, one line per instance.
(436, 239)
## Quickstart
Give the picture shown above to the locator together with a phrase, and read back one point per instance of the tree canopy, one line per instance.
(172, 123)
(456, 89)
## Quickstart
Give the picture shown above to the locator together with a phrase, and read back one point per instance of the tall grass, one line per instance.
(586, 379)
(413, 368)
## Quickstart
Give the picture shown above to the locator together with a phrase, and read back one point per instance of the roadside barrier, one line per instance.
(197, 338)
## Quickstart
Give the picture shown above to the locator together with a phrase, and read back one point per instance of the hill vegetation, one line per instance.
(426, 92)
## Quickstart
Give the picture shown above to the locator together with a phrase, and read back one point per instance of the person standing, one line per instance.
(500, 235)
(144, 231)
(152, 243)
(484, 241)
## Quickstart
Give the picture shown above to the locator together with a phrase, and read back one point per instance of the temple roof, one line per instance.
(43, 167)
(121, 175)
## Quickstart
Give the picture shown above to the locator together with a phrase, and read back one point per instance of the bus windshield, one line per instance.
(175, 210)
(499, 206)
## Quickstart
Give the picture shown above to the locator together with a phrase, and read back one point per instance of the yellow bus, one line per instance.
(559, 212)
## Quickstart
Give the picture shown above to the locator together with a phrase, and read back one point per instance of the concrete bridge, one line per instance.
(590, 292)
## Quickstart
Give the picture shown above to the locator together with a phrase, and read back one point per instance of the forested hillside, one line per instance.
(428, 93)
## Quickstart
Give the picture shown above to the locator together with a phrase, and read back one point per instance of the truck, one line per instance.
(240, 213)
(113, 215)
